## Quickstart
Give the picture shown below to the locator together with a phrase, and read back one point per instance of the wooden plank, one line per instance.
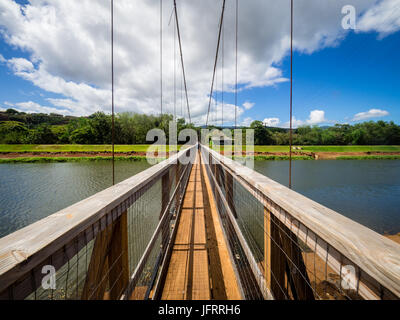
(96, 278)
(267, 248)
(222, 266)
(229, 193)
(278, 264)
(375, 255)
(118, 258)
(188, 271)
(26, 248)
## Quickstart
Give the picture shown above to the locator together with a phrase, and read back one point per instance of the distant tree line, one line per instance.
(366, 133)
(131, 128)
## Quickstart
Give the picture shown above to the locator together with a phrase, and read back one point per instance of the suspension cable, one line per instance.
(161, 59)
(236, 62)
(175, 72)
(291, 93)
(216, 58)
(183, 66)
(222, 72)
(112, 91)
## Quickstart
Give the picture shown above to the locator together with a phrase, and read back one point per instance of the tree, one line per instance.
(83, 135)
(42, 135)
(102, 127)
(13, 132)
(262, 136)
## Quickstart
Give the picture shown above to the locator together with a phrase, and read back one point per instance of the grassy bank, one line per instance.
(75, 148)
(144, 147)
(67, 159)
(383, 157)
(329, 149)
(262, 157)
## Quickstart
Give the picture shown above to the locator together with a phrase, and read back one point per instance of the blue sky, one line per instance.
(360, 74)
(53, 58)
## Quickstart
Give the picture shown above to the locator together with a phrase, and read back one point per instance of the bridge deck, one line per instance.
(200, 266)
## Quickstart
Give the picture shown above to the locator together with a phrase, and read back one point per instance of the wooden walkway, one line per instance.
(200, 267)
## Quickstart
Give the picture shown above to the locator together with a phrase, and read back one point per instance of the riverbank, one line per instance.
(37, 157)
(64, 153)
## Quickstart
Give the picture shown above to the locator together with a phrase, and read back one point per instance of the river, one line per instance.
(366, 191)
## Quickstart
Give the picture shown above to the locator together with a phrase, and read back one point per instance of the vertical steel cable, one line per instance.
(175, 72)
(183, 66)
(112, 90)
(216, 98)
(236, 62)
(183, 116)
(216, 59)
(222, 71)
(291, 93)
(161, 60)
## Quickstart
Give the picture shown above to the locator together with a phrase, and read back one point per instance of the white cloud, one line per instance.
(2, 59)
(68, 43)
(384, 18)
(373, 113)
(271, 122)
(316, 117)
(247, 122)
(217, 114)
(20, 66)
(33, 107)
(248, 105)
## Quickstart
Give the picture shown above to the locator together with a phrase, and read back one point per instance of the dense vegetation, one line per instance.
(367, 133)
(131, 128)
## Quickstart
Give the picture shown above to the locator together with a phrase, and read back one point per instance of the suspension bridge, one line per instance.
(198, 226)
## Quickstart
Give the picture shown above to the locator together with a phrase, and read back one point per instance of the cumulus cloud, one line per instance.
(33, 107)
(271, 122)
(247, 122)
(384, 18)
(68, 43)
(373, 113)
(316, 117)
(248, 105)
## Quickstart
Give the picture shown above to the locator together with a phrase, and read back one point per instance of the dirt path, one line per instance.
(323, 155)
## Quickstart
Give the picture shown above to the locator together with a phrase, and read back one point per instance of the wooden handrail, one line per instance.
(28, 247)
(375, 255)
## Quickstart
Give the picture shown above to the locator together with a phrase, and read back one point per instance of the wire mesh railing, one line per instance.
(108, 246)
(289, 247)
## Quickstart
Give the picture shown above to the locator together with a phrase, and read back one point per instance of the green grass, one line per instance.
(328, 149)
(282, 158)
(144, 147)
(74, 148)
(68, 159)
(352, 148)
(383, 157)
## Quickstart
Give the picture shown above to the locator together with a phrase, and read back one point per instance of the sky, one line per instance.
(55, 56)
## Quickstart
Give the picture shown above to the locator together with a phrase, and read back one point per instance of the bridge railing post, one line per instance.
(165, 191)
(108, 271)
(283, 262)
